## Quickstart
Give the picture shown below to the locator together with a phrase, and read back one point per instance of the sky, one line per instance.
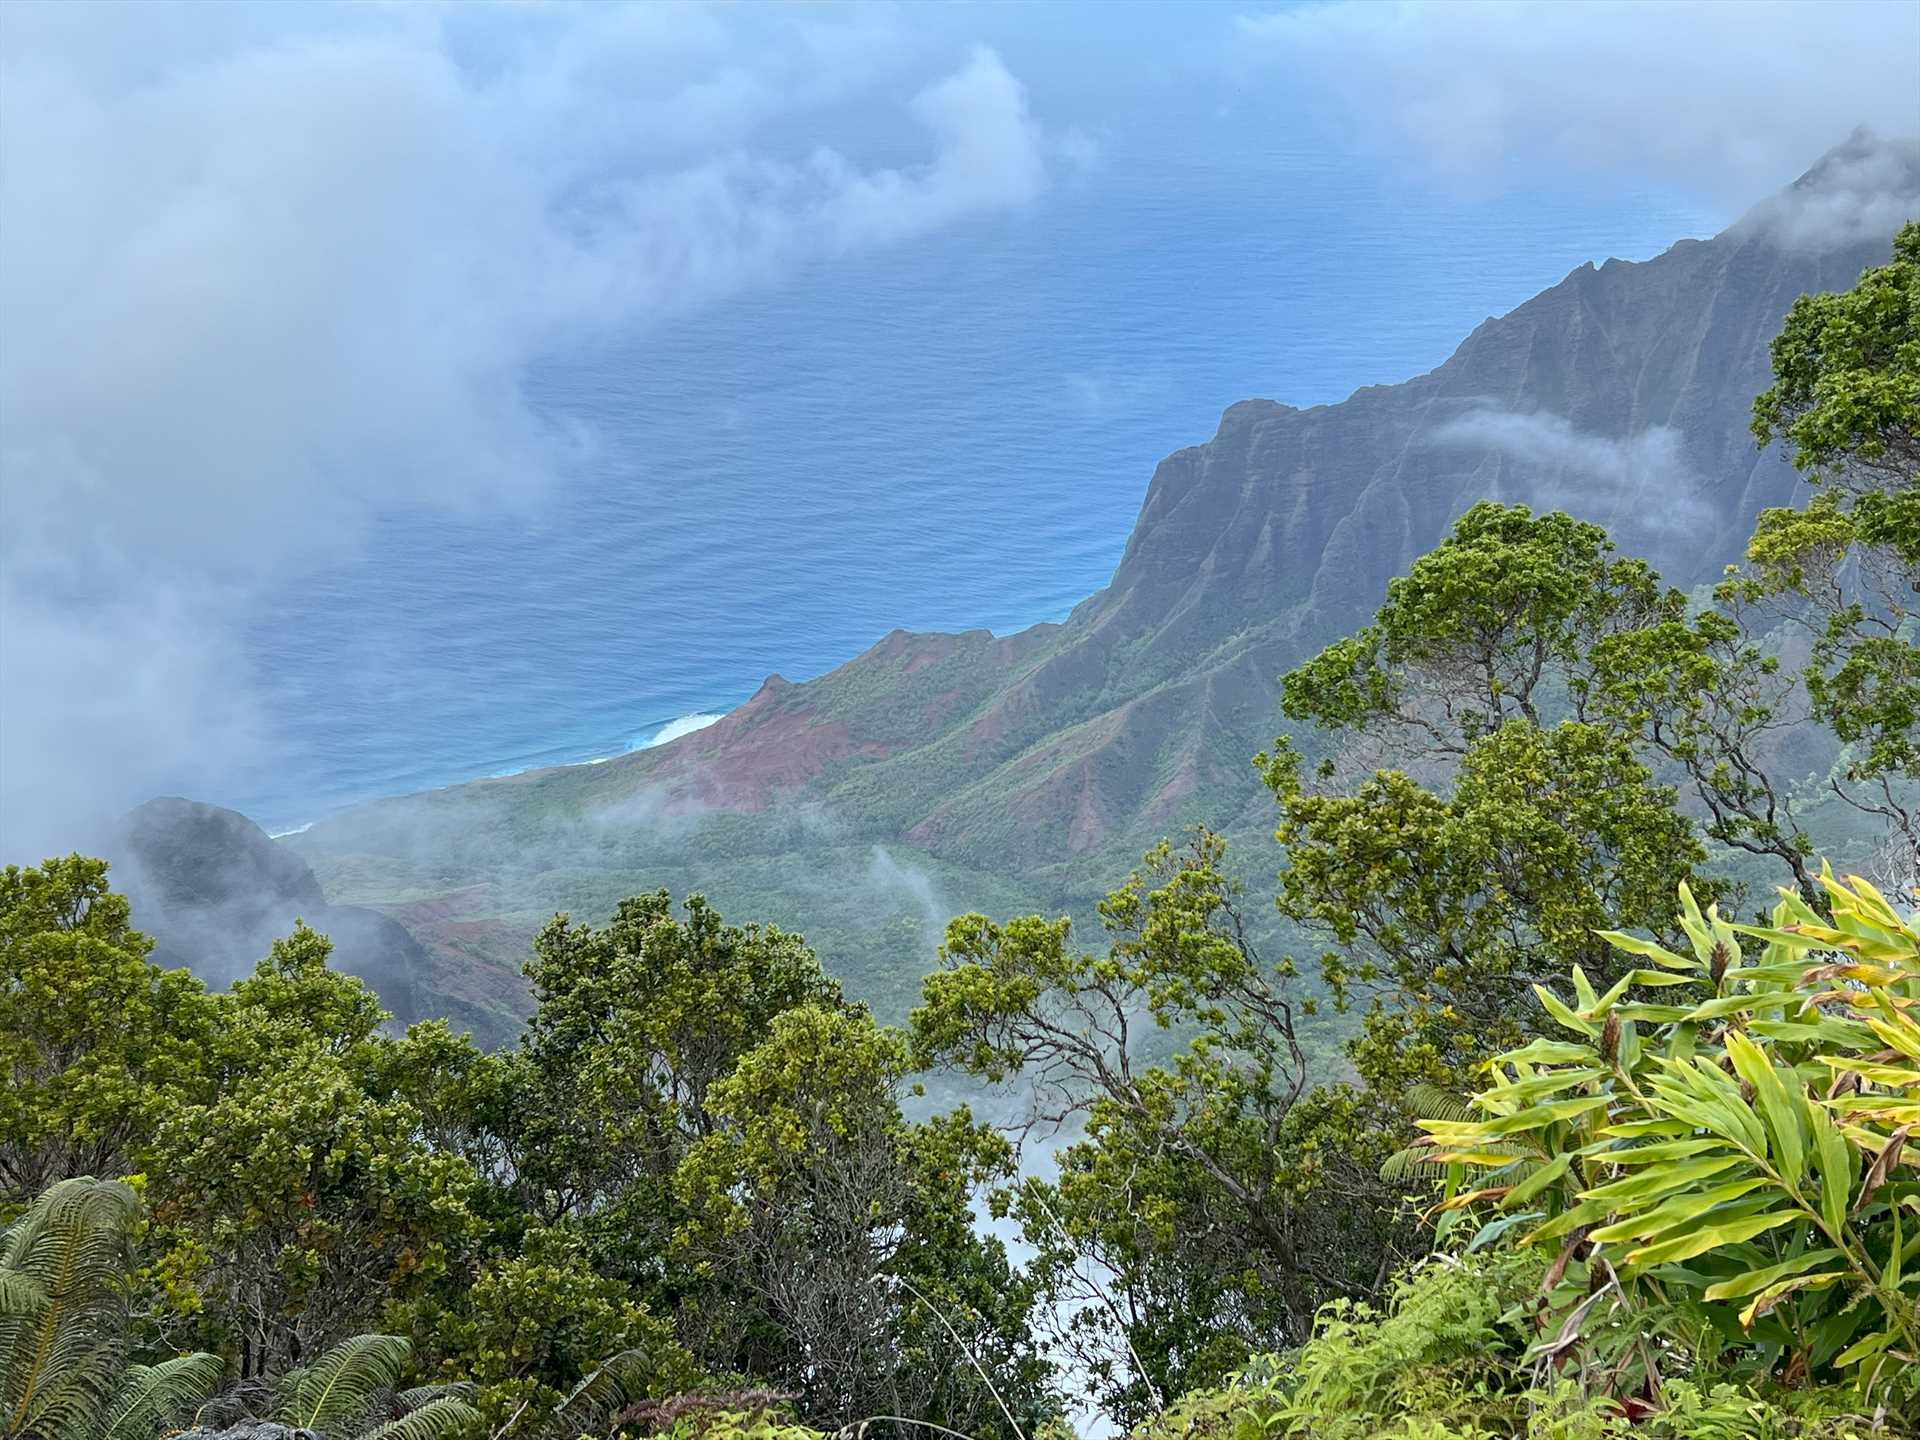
(265, 268)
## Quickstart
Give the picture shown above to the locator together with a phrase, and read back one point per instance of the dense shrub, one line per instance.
(1733, 1154)
(1450, 1358)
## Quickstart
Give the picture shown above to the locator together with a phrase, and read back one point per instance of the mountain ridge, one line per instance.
(1037, 764)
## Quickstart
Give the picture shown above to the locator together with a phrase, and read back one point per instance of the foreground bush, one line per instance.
(1731, 1161)
(1453, 1357)
(65, 1367)
(1455, 1354)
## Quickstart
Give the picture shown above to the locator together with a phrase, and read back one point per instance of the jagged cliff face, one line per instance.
(1623, 395)
(1050, 757)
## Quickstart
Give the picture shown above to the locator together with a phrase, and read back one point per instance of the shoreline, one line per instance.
(661, 733)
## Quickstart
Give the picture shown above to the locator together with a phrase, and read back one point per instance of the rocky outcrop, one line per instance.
(215, 891)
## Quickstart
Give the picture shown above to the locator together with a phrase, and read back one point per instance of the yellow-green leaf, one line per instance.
(1725, 1005)
(1566, 1017)
(1753, 1280)
(1774, 1294)
(1677, 1211)
(1864, 1349)
(1661, 1153)
(1781, 1111)
(1881, 1074)
(1710, 1237)
(1538, 1117)
(1659, 954)
(1660, 1180)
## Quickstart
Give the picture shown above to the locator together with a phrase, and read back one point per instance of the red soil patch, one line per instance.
(436, 908)
(773, 745)
(1089, 827)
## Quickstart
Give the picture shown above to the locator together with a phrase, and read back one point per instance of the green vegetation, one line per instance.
(696, 1126)
(1741, 1158)
(1199, 1186)
(1846, 398)
(1594, 1165)
(64, 1362)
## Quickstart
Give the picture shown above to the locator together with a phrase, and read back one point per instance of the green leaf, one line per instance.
(1782, 1111)
(1678, 1211)
(1890, 1273)
(1494, 1229)
(1566, 1017)
(1693, 922)
(1551, 1052)
(1710, 1237)
(1538, 1117)
(1538, 1087)
(1660, 1180)
(1585, 1213)
(1750, 1281)
(1837, 1167)
(1658, 978)
(1773, 1294)
(1724, 1005)
(1642, 1129)
(1659, 1153)
(1864, 1349)
(1659, 954)
(1540, 1180)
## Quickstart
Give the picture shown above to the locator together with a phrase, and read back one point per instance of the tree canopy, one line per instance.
(1846, 402)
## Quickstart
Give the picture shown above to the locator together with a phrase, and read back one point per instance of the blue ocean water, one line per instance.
(955, 432)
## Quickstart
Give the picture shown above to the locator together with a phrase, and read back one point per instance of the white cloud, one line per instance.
(1864, 190)
(1711, 97)
(888, 877)
(1574, 469)
(132, 684)
(267, 270)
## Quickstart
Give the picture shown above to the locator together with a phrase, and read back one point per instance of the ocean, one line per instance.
(955, 432)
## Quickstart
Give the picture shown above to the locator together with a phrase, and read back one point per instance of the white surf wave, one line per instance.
(674, 729)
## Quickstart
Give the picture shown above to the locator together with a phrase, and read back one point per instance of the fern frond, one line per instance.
(63, 1323)
(151, 1394)
(68, 1388)
(420, 1395)
(442, 1416)
(1430, 1102)
(20, 1295)
(1415, 1162)
(616, 1382)
(342, 1384)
